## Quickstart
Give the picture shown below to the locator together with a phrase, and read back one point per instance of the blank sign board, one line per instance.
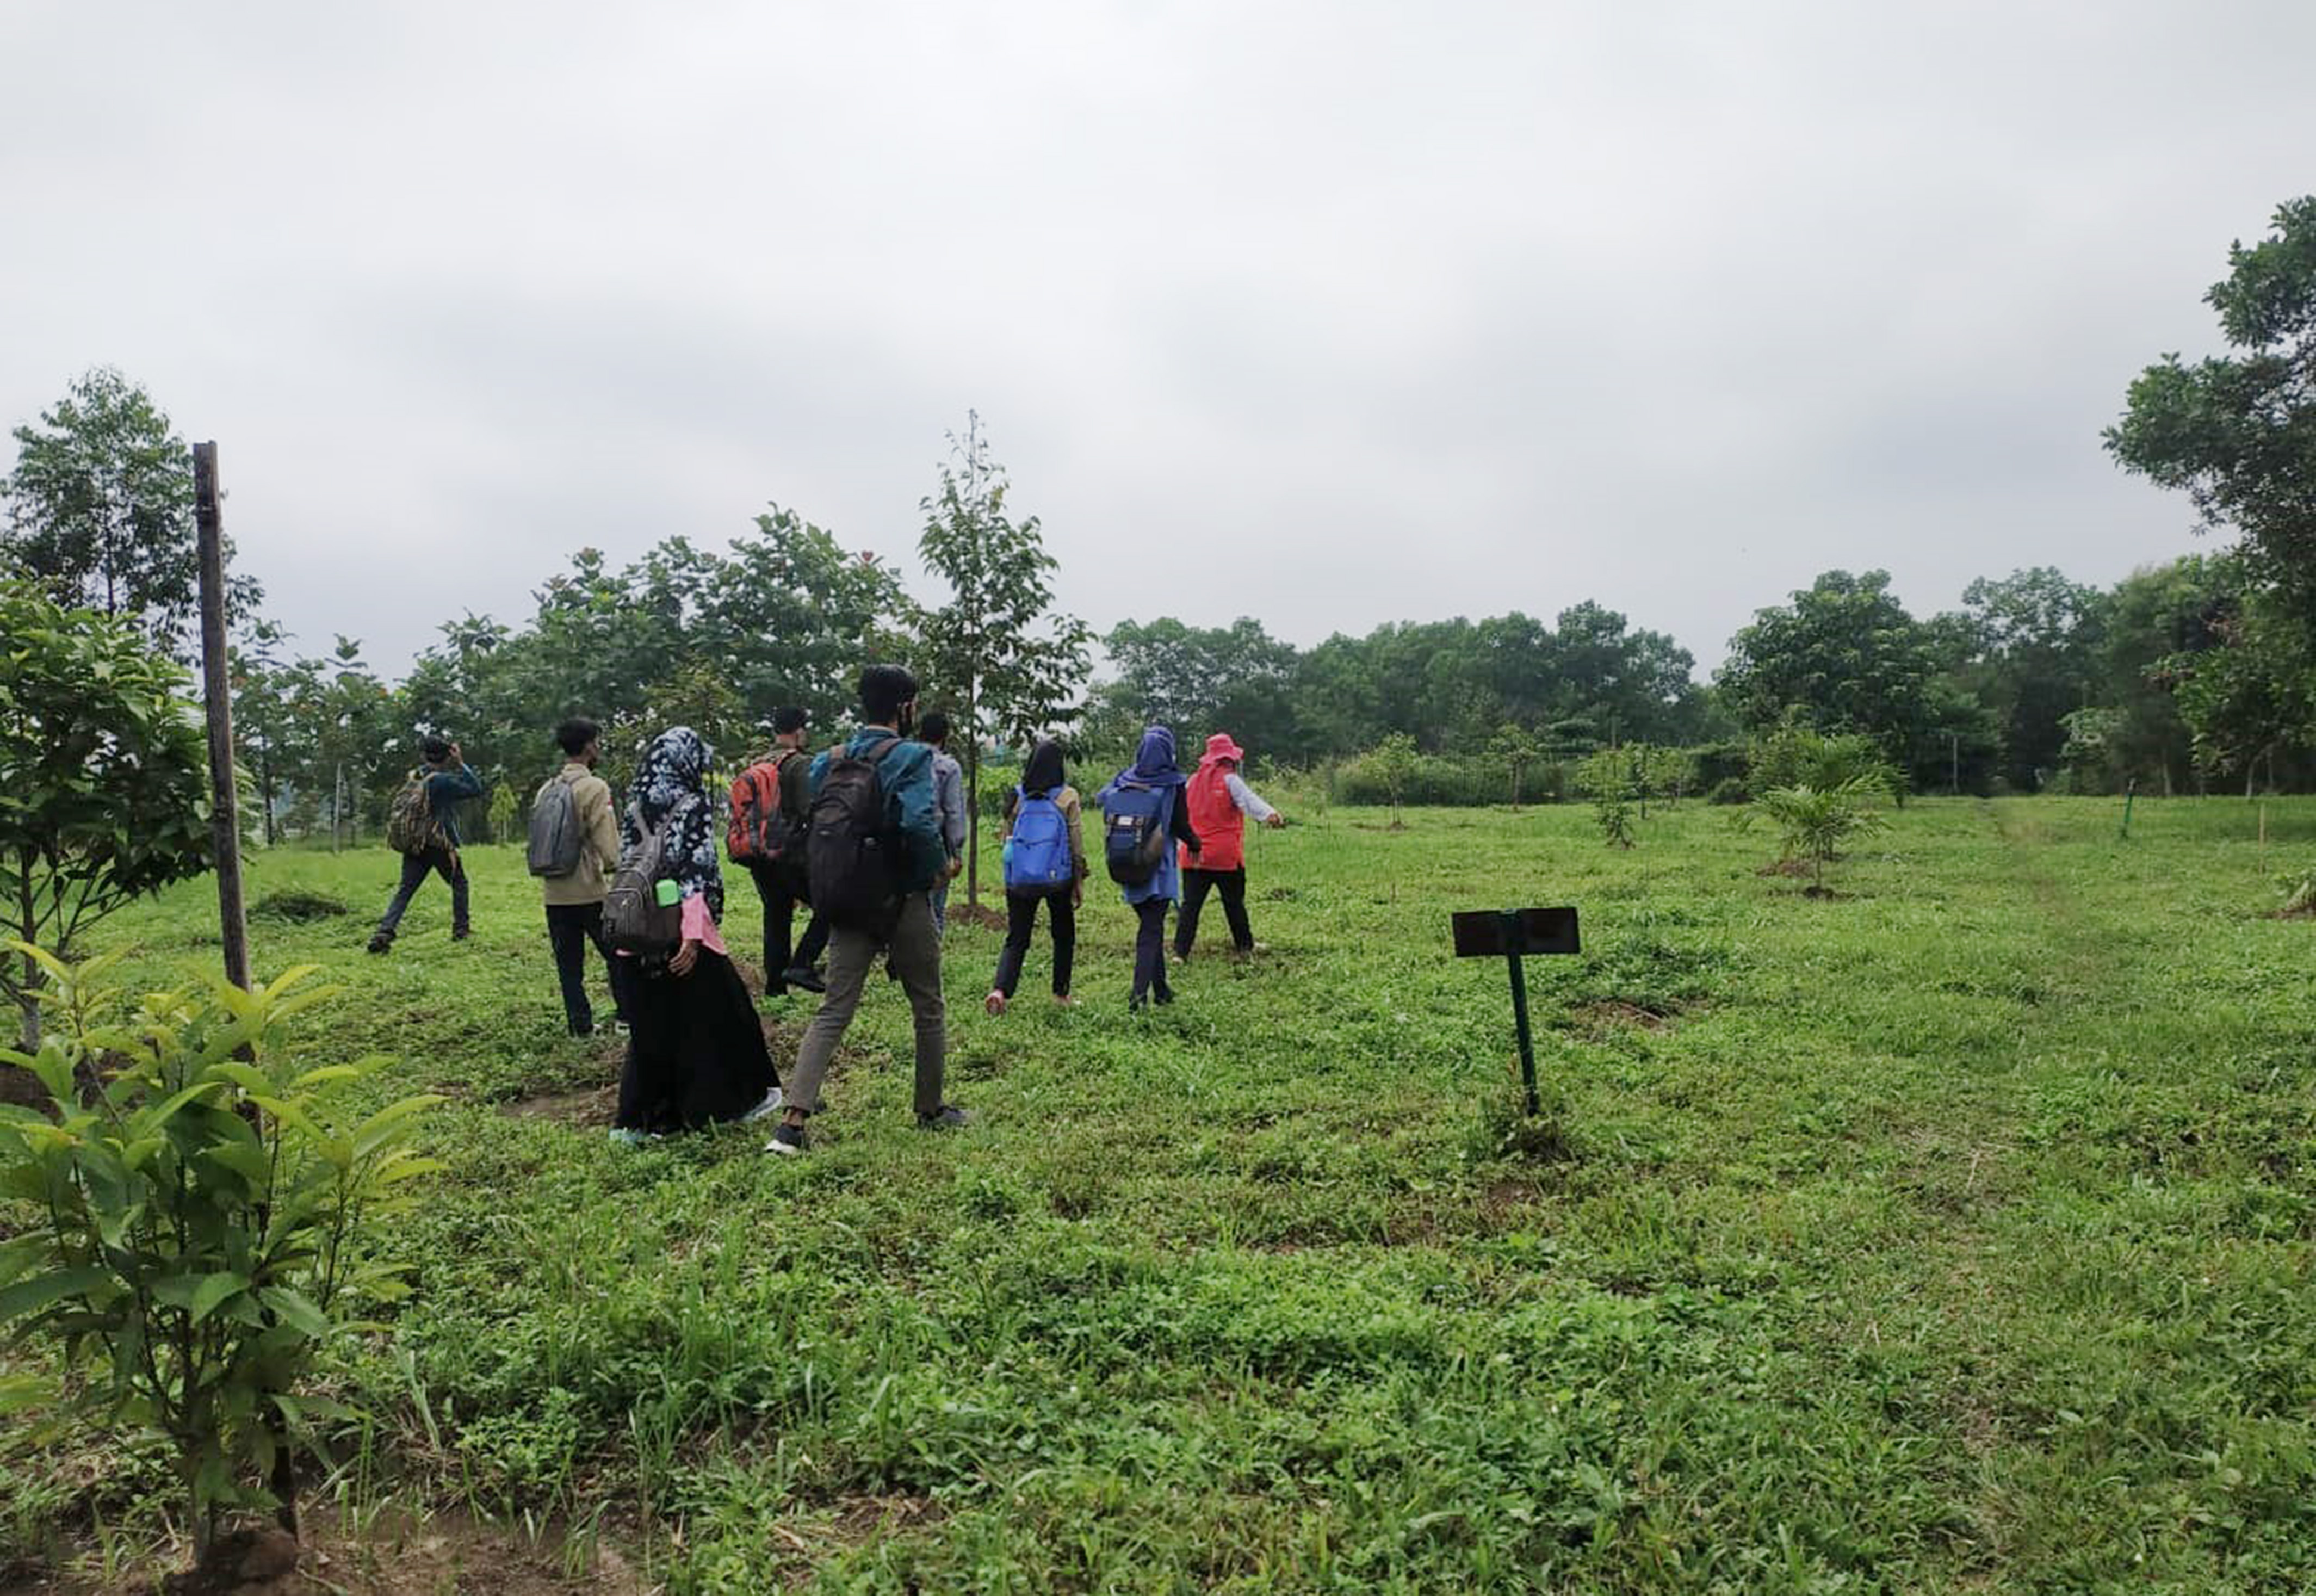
(1481, 932)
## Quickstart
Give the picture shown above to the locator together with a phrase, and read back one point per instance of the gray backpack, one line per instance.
(634, 919)
(554, 837)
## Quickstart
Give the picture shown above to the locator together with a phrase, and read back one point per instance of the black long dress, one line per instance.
(696, 1052)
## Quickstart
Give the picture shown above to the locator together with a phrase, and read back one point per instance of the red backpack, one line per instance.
(760, 831)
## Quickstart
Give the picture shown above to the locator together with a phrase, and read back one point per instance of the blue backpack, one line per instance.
(1038, 854)
(1134, 831)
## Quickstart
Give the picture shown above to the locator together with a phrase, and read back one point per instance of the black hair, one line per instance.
(884, 688)
(434, 749)
(788, 718)
(933, 727)
(574, 734)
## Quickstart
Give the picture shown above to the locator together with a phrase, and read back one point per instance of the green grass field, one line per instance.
(1949, 1234)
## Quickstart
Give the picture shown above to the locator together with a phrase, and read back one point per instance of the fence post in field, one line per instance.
(225, 816)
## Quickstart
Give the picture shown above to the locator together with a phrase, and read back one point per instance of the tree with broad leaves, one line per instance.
(100, 511)
(2239, 432)
(1845, 657)
(103, 779)
(1005, 667)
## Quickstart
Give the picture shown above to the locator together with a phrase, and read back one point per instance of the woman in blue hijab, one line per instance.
(1148, 795)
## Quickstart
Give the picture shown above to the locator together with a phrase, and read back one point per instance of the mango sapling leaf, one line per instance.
(206, 1232)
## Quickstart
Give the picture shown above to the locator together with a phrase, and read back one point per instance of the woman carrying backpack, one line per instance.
(1045, 863)
(1141, 809)
(696, 1054)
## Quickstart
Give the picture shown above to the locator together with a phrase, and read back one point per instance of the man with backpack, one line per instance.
(948, 797)
(770, 816)
(422, 825)
(575, 847)
(874, 853)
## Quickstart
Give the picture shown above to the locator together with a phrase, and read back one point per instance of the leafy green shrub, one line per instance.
(1729, 790)
(105, 776)
(200, 1209)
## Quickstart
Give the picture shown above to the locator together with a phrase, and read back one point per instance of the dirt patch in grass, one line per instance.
(299, 907)
(443, 1552)
(851, 1521)
(980, 914)
(591, 1106)
(1608, 1014)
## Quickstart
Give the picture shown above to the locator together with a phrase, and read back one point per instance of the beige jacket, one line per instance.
(1067, 800)
(599, 849)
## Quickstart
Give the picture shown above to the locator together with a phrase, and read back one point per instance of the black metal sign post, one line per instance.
(1516, 933)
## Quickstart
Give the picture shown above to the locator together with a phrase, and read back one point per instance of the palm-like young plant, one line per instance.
(1815, 822)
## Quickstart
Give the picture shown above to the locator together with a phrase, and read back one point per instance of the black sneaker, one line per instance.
(948, 1116)
(787, 1140)
(461, 933)
(381, 944)
(799, 976)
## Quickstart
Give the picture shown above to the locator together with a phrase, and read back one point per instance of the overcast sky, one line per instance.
(1330, 314)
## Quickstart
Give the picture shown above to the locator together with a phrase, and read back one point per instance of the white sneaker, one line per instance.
(771, 1105)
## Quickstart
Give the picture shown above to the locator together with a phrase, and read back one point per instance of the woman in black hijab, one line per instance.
(1045, 863)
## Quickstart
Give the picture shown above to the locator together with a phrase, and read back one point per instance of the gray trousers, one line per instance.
(914, 951)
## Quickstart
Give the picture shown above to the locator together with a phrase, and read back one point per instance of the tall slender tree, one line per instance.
(1009, 666)
(101, 510)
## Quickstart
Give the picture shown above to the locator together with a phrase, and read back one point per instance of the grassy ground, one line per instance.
(1950, 1234)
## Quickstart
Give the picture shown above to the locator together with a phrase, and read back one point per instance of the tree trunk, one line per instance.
(28, 1029)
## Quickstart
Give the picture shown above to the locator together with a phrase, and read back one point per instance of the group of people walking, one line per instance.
(863, 837)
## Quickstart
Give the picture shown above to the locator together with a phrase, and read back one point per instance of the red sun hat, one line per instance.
(1220, 746)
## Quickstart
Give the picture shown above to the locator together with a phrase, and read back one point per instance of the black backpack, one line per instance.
(852, 851)
(634, 919)
(1135, 837)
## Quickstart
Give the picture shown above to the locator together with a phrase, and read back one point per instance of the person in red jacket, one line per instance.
(1221, 803)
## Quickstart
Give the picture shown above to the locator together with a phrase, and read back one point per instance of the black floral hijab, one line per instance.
(670, 785)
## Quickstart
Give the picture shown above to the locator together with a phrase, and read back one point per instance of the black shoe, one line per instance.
(461, 933)
(381, 944)
(787, 1140)
(799, 976)
(948, 1116)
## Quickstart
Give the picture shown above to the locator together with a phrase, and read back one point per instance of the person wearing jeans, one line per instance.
(448, 779)
(1220, 803)
(575, 900)
(907, 937)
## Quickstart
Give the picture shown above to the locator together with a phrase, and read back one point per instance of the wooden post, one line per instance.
(225, 816)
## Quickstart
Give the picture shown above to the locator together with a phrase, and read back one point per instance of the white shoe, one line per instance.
(771, 1105)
